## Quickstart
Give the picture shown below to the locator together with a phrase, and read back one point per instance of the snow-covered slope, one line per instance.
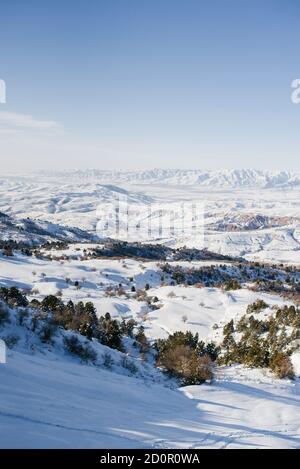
(29, 231)
(203, 307)
(51, 402)
(49, 399)
(63, 201)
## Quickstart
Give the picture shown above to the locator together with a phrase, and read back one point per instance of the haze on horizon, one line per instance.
(137, 85)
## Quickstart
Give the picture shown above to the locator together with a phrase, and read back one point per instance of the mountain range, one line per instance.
(223, 178)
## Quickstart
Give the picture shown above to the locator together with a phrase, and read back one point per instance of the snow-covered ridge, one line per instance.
(226, 178)
(28, 231)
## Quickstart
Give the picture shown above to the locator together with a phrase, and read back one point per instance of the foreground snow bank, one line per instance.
(52, 402)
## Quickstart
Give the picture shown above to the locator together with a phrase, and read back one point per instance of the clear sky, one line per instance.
(149, 83)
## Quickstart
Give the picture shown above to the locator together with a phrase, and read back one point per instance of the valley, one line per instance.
(70, 383)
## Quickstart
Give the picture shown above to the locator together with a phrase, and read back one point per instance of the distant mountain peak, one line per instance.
(223, 178)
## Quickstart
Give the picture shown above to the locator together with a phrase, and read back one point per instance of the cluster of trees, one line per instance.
(13, 296)
(80, 317)
(57, 245)
(257, 306)
(183, 356)
(137, 293)
(232, 284)
(231, 276)
(142, 295)
(289, 290)
(7, 251)
(262, 343)
(114, 290)
(254, 342)
(9, 245)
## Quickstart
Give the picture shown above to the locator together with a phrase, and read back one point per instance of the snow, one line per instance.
(202, 307)
(51, 402)
(247, 409)
(267, 201)
(208, 178)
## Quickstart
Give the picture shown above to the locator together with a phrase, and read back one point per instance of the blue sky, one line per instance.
(141, 84)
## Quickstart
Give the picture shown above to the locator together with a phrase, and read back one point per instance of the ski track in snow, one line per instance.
(133, 414)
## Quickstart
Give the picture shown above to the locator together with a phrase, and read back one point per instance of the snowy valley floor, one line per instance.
(51, 402)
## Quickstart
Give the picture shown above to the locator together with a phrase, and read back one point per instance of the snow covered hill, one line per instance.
(38, 232)
(67, 202)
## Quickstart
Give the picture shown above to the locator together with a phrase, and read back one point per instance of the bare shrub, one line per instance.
(183, 362)
(4, 316)
(84, 351)
(128, 365)
(11, 340)
(144, 317)
(47, 332)
(21, 316)
(282, 366)
(140, 295)
(108, 361)
(109, 291)
(171, 295)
